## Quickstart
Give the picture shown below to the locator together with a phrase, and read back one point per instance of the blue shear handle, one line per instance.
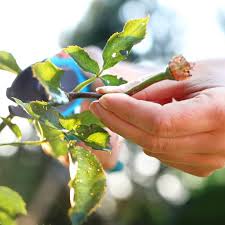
(72, 77)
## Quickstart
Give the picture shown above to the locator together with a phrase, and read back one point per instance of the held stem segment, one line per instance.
(156, 78)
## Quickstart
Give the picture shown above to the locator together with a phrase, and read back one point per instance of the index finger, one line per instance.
(174, 119)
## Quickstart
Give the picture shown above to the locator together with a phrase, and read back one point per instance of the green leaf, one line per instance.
(83, 59)
(11, 205)
(119, 45)
(42, 111)
(13, 127)
(5, 219)
(112, 80)
(8, 63)
(88, 185)
(87, 128)
(85, 118)
(46, 120)
(93, 136)
(55, 144)
(50, 77)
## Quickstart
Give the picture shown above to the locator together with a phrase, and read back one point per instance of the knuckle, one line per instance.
(162, 125)
(159, 145)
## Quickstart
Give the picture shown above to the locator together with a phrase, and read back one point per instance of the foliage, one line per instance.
(61, 135)
(8, 63)
(11, 205)
(87, 186)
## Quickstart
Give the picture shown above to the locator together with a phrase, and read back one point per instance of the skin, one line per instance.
(180, 123)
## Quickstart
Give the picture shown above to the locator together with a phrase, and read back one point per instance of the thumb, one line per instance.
(165, 91)
(161, 92)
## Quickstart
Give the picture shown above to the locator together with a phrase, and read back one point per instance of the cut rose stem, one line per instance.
(178, 69)
(75, 95)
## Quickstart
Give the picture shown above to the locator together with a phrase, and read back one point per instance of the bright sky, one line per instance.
(203, 36)
(31, 29)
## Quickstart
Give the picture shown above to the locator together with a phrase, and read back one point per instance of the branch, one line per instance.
(178, 69)
(3, 124)
(18, 144)
(75, 95)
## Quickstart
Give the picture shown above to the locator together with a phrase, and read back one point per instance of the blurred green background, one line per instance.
(145, 192)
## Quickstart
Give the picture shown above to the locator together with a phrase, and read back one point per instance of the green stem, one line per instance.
(156, 78)
(100, 73)
(3, 124)
(18, 144)
(132, 91)
(82, 85)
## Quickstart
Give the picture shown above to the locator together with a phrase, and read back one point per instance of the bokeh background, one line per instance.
(145, 192)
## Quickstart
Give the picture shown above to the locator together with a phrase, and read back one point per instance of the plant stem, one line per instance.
(156, 78)
(178, 69)
(18, 144)
(75, 95)
(3, 125)
(82, 85)
(132, 91)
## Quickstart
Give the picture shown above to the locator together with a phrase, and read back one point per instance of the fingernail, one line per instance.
(99, 90)
(94, 107)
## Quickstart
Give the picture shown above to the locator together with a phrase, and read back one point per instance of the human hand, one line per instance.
(187, 133)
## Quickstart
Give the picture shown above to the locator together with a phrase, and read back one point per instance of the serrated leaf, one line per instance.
(93, 136)
(112, 80)
(46, 120)
(88, 185)
(55, 144)
(83, 59)
(42, 111)
(8, 63)
(119, 45)
(50, 76)
(84, 118)
(11, 205)
(13, 127)
(87, 118)
(87, 128)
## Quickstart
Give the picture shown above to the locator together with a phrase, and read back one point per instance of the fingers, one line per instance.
(164, 91)
(210, 161)
(174, 119)
(198, 143)
(85, 105)
(200, 172)
(119, 126)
